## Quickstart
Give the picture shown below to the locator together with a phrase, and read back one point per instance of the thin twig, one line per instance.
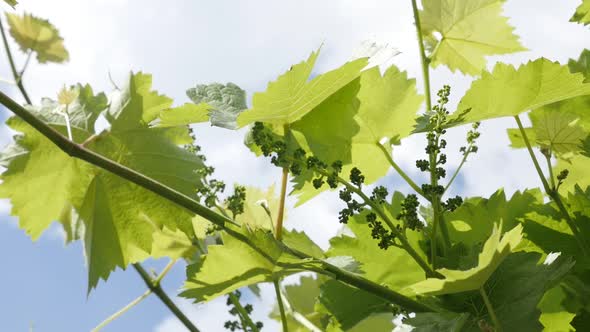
(281, 305)
(458, 168)
(490, 308)
(156, 288)
(22, 71)
(134, 302)
(281, 212)
(553, 194)
(399, 171)
(15, 74)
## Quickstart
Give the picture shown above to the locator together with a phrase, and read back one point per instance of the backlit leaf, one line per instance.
(469, 31)
(37, 35)
(293, 94)
(508, 91)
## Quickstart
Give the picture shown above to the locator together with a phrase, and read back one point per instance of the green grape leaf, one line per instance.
(302, 296)
(375, 322)
(517, 287)
(388, 107)
(39, 169)
(155, 152)
(365, 250)
(135, 105)
(234, 264)
(34, 34)
(508, 91)
(582, 65)
(557, 131)
(349, 125)
(516, 140)
(579, 201)
(469, 31)
(546, 229)
(82, 111)
(258, 207)
(302, 299)
(514, 291)
(563, 123)
(554, 317)
(40, 179)
(473, 222)
(552, 129)
(494, 251)
(12, 3)
(349, 306)
(184, 115)
(118, 219)
(173, 244)
(582, 14)
(578, 167)
(226, 102)
(300, 241)
(578, 106)
(434, 322)
(293, 95)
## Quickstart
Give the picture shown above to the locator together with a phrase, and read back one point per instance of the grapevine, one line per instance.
(430, 258)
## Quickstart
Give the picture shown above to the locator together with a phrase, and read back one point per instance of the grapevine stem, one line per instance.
(281, 304)
(436, 208)
(490, 308)
(156, 288)
(15, 74)
(425, 61)
(550, 168)
(134, 302)
(176, 197)
(281, 213)
(245, 317)
(553, 194)
(400, 171)
(532, 154)
(423, 57)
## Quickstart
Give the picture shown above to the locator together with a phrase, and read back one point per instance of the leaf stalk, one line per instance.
(277, 287)
(399, 171)
(15, 74)
(135, 302)
(154, 286)
(490, 308)
(553, 194)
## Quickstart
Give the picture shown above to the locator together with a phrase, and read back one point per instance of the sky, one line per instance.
(184, 43)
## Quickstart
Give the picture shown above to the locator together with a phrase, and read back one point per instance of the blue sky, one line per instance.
(183, 43)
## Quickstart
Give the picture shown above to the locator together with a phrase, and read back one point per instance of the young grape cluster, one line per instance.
(297, 162)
